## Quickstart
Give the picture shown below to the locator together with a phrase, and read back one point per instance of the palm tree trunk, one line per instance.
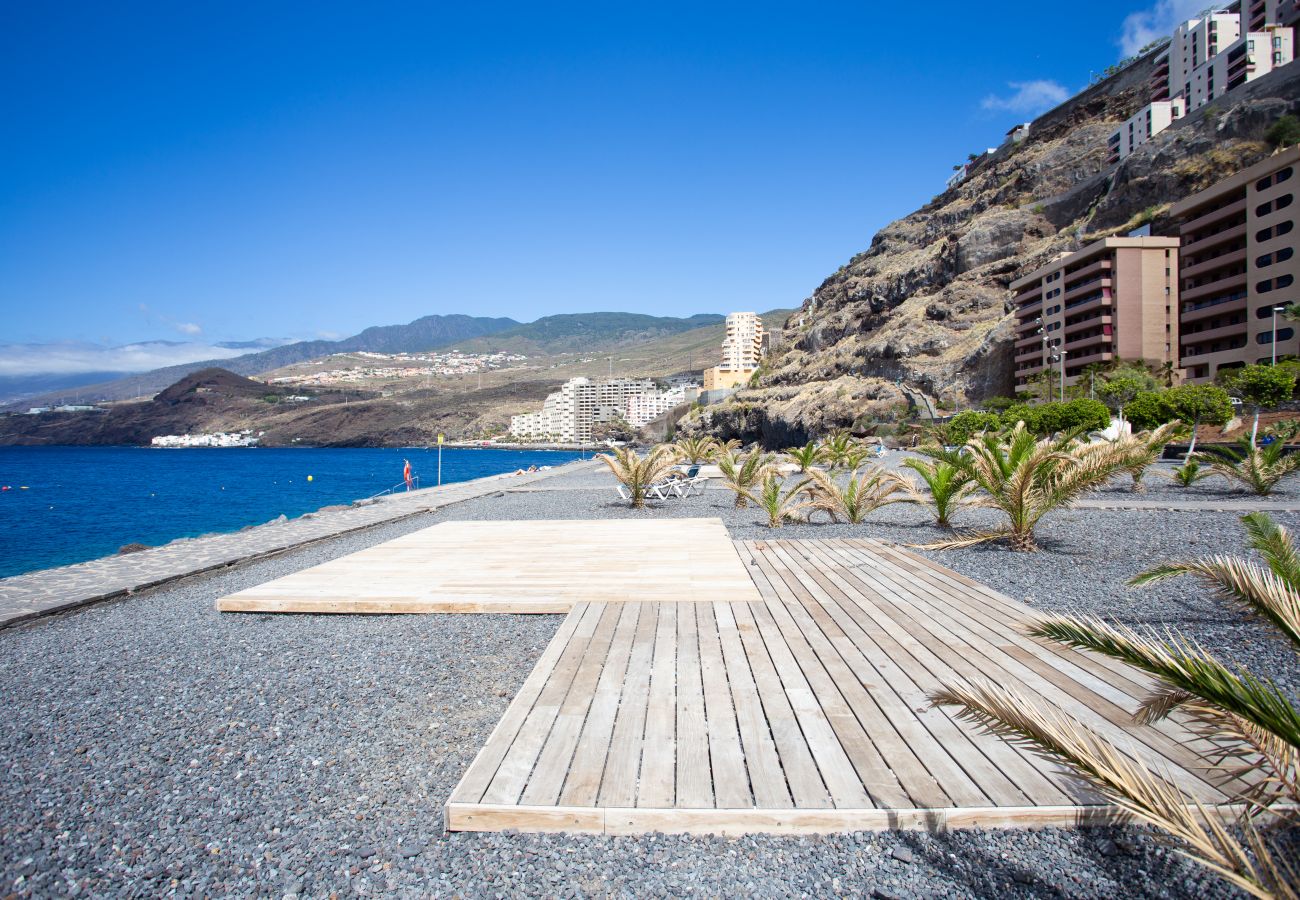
(1254, 429)
(1024, 541)
(1191, 447)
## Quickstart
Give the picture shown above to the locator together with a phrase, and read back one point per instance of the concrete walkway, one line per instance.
(55, 590)
(1262, 504)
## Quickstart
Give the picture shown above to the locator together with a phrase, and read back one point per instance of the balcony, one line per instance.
(1212, 334)
(1229, 303)
(1073, 348)
(1102, 298)
(1216, 262)
(1030, 340)
(1097, 265)
(1104, 319)
(1024, 328)
(1097, 356)
(1034, 353)
(1237, 207)
(1209, 289)
(1082, 288)
(1029, 303)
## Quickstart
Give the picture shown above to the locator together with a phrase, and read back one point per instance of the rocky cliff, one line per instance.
(923, 314)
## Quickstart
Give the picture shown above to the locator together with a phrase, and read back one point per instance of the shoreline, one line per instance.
(43, 592)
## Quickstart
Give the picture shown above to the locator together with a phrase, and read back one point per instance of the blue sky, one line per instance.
(206, 173)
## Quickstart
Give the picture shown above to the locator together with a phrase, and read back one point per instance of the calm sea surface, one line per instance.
(69, 504)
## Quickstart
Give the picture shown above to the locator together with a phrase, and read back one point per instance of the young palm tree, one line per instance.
(949, 485)
(1189, 473)
(860, 496)
(806, 456)
(1255, 727)
(836, 448)
(695, 450)
(638, 473)
(781, 505)
(1260, 468)
(1027, 478)
(1142, 450)
(744, 472)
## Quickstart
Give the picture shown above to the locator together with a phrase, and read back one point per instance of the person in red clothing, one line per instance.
(406, 473)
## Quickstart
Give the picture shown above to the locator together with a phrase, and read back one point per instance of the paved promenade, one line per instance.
(54, 590)
(1253, 504)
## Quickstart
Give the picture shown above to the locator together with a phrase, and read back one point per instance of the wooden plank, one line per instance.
(880, 781)
(913, 672)
(588, 765)
(547, 778)
(484, 767)
(659, 757)
(833, 762)
(882, 730)
(939, 775)
(623, 764)
(517, 763)
(726, 761)
(795, 759)
(540, 566)
(934, 621)
(1074, 671)
(694, 781)
(762, 761)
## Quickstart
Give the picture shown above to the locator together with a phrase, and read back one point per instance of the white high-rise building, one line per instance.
(568, 414)
(742, 348)
(1194, 44)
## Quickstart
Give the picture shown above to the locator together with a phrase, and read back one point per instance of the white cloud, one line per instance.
(71, 357)
(188, 328)
(1158, 21)
(1027, 97)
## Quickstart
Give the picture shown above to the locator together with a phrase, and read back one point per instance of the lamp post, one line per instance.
(1276, 310)
(1047, 368)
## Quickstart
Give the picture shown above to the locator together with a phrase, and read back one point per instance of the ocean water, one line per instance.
(69, 504)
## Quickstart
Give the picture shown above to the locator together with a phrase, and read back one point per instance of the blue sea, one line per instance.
(69, 504)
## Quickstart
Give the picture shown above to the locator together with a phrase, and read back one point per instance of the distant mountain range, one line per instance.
(569, 332)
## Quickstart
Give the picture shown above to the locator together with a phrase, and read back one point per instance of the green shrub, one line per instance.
(1081, 414)
(964, 425)
(1284, 132)
(998, 404)
(1148, 410)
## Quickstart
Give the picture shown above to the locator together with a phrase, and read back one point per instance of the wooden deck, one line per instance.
(798, 705)
(515, 567)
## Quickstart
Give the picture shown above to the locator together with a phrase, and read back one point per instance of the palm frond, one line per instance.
(1130, 784)
(1182, 664)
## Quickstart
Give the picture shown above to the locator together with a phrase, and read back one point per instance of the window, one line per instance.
(1283, 202)
(1263, 287)
(1282, 175)
(1283, 228)
(1265, 260)
(1284, 281)
(1277, 42)
(1284, 254)
(1264, 182)
(1250, 46)
(1283, 334)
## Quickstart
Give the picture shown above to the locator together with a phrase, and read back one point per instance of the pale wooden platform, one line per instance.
(515, 567)
(798, 707)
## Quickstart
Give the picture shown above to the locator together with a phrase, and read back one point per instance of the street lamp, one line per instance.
(1276, 310)
(1047, 368)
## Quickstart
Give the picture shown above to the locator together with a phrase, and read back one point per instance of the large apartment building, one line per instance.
(1207, 57)
(1114, 299)
(568, 415)
(742, 348)
(1237, 262)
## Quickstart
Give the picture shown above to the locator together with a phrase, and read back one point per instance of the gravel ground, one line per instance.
(152, 746)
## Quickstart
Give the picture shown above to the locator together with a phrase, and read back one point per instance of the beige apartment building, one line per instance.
(1114, 299)
(1237, 262)
(742, 348)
